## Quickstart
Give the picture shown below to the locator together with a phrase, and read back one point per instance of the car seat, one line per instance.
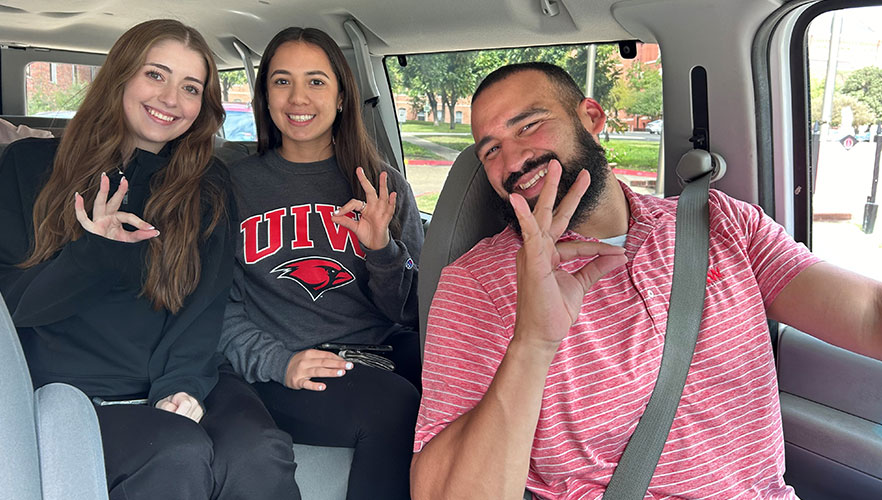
(51, 443)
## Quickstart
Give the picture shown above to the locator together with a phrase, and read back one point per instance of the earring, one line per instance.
(340, 109)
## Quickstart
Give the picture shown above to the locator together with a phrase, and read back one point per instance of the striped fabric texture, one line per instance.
(726, 440)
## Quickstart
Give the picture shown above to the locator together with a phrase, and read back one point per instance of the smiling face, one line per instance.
(519, 123)
(164, 97)
(303, 95)
(516, 142)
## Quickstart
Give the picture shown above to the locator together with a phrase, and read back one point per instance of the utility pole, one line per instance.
(589, 71)
(871, 208)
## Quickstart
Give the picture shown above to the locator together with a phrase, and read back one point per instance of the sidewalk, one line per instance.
(442, 151)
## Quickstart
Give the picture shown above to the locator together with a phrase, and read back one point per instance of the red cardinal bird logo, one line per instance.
(316, 275)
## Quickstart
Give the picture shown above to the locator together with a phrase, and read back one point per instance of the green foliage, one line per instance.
(647, 86)
(228, 79)
(414, 152)
(418, 126)
(426, 202)
(632, 155)
(444, 78)
(862, 114)
(866, 85)
(457, 142)
(53, 99)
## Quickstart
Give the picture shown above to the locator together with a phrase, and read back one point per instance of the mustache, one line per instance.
(514, 177)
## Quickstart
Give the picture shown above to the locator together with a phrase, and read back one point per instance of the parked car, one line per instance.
(655, 126)
(239, 124)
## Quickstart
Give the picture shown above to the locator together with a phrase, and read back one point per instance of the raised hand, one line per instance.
(107, 220)
(372, 226)
(549, 298)
(314, 363)
(183, 404)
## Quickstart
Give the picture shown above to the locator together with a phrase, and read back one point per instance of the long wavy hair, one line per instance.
(353, 147)
(98, 139)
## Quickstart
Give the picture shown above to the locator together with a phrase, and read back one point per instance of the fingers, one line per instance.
(347, 222)
(99, 207)
(115, 201)
(567, 206)
(384, 186)
(529, 226)
(188, 406)
(369, 192)
(166, 404)
(570, 250)
(82, 216)
(598, 268)
(352, 205)
(144, 232)
(544, 208)
(314, 363)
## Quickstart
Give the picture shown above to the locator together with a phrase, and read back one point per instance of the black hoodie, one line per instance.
(81, 317)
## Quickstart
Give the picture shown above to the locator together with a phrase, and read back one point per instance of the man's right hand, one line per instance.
(549, 298)
(314, 363)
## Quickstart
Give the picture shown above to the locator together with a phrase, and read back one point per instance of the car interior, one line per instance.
(763, 60)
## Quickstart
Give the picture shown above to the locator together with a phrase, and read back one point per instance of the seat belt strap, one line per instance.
(631, 478)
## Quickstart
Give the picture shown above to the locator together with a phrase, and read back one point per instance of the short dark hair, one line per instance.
(570, 93)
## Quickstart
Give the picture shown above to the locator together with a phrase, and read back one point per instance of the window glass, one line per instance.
(440, 86)
(845, 88)
(239, 124)
(56, 89)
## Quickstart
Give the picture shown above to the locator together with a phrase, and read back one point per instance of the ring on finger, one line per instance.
(363, 205)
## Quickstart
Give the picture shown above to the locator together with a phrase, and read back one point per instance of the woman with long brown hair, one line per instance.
(127, 310)
(327, 254)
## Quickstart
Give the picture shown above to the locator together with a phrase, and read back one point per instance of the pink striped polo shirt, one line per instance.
(726, 439)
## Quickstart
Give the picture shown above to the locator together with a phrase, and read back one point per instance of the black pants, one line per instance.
(235, 452)
(369, 409)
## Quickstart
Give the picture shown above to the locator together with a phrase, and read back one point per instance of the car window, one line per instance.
(239, 124)
(56, 89)
(845, 92)
(432, 96)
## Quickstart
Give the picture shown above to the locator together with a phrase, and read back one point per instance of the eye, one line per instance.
(154, 75)
(316, 82)
(491, 151)
(280, 81)
(192, 89)
(528, 126)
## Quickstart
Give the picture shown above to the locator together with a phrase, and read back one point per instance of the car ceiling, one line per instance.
(416, 26)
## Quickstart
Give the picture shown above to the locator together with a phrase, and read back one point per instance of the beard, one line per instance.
(589, 156)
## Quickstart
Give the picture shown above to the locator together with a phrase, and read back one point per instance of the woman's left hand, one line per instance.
(372, 227)
(182, 404)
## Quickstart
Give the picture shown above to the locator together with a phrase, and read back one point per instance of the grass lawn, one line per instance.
(414, 152)
(416, 126)
(427, 202)
(457, 142)
(632, 155)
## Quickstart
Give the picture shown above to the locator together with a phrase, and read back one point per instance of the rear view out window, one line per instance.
(57, 89)
(433, 104)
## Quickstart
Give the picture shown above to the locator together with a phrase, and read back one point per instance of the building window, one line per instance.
(53, 73)
(458, 118)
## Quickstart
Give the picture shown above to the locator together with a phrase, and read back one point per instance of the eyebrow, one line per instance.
(510, 123)
(169, 70)
(313, 72)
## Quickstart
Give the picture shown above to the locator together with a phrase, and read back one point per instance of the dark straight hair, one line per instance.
(353, 147)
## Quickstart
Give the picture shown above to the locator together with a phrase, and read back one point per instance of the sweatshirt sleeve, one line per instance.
(78, 276)
(394, 269)
(254, 353)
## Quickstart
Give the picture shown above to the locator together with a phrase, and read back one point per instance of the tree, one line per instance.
(229, 79)
(862, 114)
(866, 85)
(647, 86)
